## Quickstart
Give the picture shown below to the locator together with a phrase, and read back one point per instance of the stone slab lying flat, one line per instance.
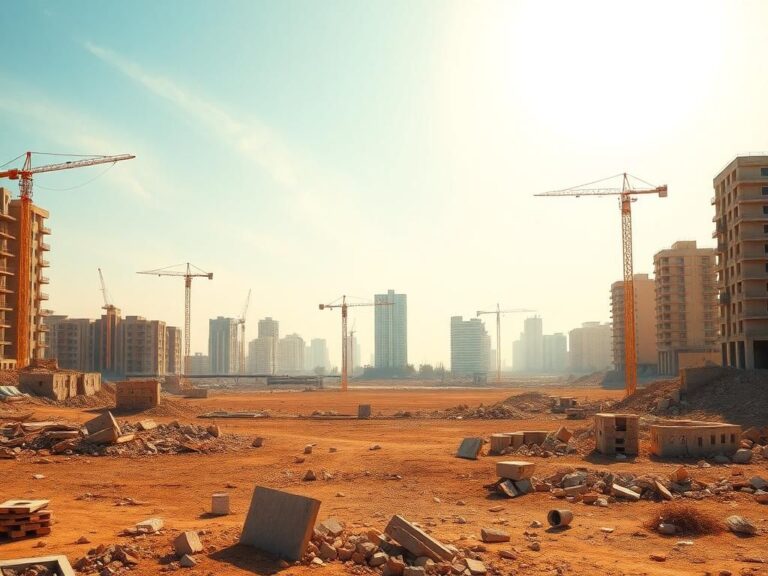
(22, 506)
(279, 522)
(515, 469)
(626, 493)
(470, 448)
(416, 541)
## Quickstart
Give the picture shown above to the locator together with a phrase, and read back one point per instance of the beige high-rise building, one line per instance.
(290, 354)
(173, 352)
(741, 229)
(143, 347)
(198, 364)
(261, 355)
(645, 323)
(686, 307)
(590, 347)
(70, 342)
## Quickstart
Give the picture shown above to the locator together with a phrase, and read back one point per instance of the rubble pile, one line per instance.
(403, 549)
(602, 487)
(113, 559)
(108, 438)
(34, 570)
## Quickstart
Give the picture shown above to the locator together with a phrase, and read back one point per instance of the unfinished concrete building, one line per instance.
(686, 307)
(645, 324)
(174, 352)
(692, 438)
(59, 384)
(741, 229)
(137, 394)
(143, 350)
(70, 342)
(617, 434)
(590, 348)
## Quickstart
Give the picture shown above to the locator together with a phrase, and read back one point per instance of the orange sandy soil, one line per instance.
(178, 489)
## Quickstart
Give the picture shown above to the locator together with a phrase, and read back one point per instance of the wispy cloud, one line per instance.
(252, 139)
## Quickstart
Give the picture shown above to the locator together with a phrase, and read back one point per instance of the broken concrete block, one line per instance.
(754, 434)
(416, 541)
(378, 559)
(279, 523)
(662, 490)
(258, 442)
(740, 525)
(508, 488)
(150, 526)
(626, 493)
(499, 443)
(470, 448)
(187, 561)
(328, 552)
(105, 420)
(58, 565)
(491, 535)
(146, 425)
(220, 504)
(214, 430)
(534, 436)
(515, 469)
(679, 475)
(105, 436)
(475, 567)
(187, 543)
(524, 486)
(742, 456)
(330, 527)
(563, 434)
(414, 571)
(308, 449)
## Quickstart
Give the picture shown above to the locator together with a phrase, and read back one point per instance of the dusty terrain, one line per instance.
(414, 468)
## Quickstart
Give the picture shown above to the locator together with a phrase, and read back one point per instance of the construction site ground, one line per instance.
(415, 473)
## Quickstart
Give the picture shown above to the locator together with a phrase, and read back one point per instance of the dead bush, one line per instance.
(687, 517)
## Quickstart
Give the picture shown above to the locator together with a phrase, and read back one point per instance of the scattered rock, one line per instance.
(740, 525)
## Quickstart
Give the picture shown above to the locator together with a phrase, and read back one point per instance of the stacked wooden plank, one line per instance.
(24, 518)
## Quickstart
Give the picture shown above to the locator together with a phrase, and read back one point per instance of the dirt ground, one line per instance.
(414, 467)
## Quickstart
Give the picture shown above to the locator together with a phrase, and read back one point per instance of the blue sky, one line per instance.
(309, 149)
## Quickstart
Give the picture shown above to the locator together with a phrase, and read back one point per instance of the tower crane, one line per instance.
(626, 196)
(24, 176)
(352, 346)
(241, 322)
(188, 272)
(344, 305)
(111, 311)
(498, 313)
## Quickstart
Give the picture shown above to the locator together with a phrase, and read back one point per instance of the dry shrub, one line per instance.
(687, 517)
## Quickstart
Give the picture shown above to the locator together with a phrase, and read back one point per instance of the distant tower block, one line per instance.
(616, 434)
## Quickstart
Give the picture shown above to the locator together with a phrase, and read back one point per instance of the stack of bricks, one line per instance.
(24, 518)
(617, 434)
(137, 395)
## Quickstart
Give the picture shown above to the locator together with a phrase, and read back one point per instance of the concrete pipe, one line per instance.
(559, 518)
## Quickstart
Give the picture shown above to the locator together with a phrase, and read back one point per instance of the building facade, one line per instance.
(143, 347)
(198, 364)
(290, 354)
(174, 352)
(470, 346)
(222, 345)
(686, 306)
(589, 348)
(261, 355)
(318, 355)
(554, 353)
(741, 229)
(70, 341)
(391, 331)
(269, 328)
(645, 323)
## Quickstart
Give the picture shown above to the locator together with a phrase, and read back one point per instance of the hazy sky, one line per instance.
(310, 149)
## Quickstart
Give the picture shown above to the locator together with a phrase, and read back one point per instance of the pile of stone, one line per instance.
(403, 549)
(515, 478)
(112, 559)
(104, 436)
(534, 443)
(34, 570)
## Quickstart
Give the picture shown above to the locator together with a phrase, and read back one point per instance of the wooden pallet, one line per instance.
(22, 506)
(12, 519)
(17, 534)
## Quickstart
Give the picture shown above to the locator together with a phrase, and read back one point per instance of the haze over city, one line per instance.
(309, 150)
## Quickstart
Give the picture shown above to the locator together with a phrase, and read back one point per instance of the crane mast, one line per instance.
(24, 176)
(498, 312)
(241, 322)
(626, 196)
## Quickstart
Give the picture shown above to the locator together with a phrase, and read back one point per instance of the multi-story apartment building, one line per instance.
(589, 348)
(290, 354)
(70, 341)
(7, 267)
(268, 328)
(173, 353)
(391, 331)
(470, 346)
(261, 355)
(222, 345)
(198, 364)
(143, 347)
(645, 323)
(741, 229)
(107, 341)
(554, 352)
(318, 355)
(22, 347)
(686, 307)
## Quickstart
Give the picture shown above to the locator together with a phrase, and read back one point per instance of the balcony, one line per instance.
(44, 312)
(43, 328)
(6, 271)
(41, 296)
(43, 263)
(43, 280)
(45, 230)
(713, 200)
(725, 297)
(45, 247)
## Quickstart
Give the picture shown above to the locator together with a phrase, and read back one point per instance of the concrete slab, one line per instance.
(416, 541)
(58, 565)
(515, 469)
(102, 422)
(470, 448)
(279, 522)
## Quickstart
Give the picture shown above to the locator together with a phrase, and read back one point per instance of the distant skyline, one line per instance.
(306, 150)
